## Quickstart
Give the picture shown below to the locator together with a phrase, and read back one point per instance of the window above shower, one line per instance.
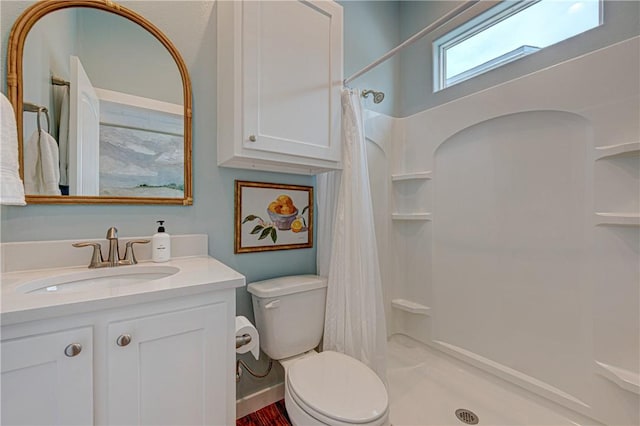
(507, 32)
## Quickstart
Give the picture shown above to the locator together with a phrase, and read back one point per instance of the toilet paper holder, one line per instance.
(245, 339)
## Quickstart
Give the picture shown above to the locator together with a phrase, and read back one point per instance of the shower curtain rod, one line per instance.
(417, 36)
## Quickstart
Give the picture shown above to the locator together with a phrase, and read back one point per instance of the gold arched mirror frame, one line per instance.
(15, 52)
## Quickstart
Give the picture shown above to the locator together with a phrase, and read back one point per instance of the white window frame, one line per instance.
(484, 20)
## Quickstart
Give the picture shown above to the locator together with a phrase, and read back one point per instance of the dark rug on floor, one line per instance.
(271, 415)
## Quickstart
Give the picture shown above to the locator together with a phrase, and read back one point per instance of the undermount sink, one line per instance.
(92, 278)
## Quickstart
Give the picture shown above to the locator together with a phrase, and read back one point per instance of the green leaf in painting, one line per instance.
(265, 233)
(257, 229)
(274, 235)
(250, 218)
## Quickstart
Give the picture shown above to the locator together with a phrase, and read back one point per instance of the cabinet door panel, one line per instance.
(167, 373)
(292, 55)
(43, 386)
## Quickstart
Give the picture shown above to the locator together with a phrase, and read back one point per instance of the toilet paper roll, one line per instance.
(244, 326)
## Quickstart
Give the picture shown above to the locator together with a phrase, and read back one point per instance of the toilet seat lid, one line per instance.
(338, 386)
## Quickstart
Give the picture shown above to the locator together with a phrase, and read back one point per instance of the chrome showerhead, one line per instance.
(377, 96)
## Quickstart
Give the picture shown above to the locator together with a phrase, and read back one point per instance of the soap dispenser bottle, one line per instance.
(161, 245)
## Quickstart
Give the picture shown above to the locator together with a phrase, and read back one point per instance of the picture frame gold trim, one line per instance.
(262, 226)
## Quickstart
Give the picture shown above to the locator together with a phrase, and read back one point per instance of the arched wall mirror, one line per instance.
(103, 106)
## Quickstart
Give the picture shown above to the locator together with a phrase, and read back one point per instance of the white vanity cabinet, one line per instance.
(140, 344)
(279, 81)
(168, 361)
(47, 378)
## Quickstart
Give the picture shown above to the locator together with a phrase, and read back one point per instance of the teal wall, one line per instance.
(371, 29)
(621, 22)
(150, 72)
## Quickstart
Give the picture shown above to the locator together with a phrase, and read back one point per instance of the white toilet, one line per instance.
(326, 388)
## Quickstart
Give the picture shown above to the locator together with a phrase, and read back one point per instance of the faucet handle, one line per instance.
(129, 255)
(96, 257)
(112, 233)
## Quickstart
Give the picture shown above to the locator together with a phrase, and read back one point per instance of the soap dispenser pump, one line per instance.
(161, 244)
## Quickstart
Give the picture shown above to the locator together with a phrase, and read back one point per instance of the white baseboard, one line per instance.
(258, 400)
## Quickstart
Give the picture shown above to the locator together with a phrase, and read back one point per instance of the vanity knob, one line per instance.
(123, 339)
(73, 349)
(252, 138)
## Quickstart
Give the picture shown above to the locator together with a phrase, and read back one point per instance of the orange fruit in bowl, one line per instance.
(284, 199)
(273, 206)
(296, 225)
(286, 209)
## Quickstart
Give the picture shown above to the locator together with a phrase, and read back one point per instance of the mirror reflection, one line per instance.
(103, 109)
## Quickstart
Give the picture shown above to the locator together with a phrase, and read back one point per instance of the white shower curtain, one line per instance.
(354, 320)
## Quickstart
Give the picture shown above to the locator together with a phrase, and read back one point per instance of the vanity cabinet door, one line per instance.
(170, 368)
(283, 60)
(47, 379)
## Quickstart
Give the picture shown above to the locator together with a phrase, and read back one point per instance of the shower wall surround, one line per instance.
(515, 232)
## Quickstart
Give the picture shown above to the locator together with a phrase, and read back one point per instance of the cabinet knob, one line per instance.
(73, 349)
(123, 339)
(252, 138)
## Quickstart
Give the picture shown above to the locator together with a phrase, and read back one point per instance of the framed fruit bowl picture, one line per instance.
(270, 216)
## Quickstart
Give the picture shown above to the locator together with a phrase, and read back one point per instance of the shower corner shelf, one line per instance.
(609, 218)
(411, 216)
(403, 177)
(627, 380)
(623, 149)
(411, 307)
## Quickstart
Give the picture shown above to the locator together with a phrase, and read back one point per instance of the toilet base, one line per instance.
(297, 416)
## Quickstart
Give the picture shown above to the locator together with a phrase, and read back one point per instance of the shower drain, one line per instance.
(467, 416)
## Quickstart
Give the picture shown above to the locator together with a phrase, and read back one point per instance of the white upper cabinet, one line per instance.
(279, 82)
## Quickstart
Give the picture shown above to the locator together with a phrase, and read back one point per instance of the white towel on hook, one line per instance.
(11, 188)
(41, 168)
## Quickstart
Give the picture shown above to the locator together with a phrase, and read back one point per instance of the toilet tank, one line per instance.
(289, 313)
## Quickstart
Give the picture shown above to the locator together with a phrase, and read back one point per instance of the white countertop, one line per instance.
(197, 274)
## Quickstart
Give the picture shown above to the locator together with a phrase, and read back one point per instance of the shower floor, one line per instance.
(426, 387)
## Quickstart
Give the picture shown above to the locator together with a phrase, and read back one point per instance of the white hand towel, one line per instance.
(31, 152)
(11, 189)
(41, 168)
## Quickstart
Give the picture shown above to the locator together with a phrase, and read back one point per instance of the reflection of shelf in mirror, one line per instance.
(628, 219)
(627, 380)
(631, 148)
(402, 177)
(411, 307)
(411, 216)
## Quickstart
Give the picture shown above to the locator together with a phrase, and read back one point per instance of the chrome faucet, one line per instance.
(113, 259)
